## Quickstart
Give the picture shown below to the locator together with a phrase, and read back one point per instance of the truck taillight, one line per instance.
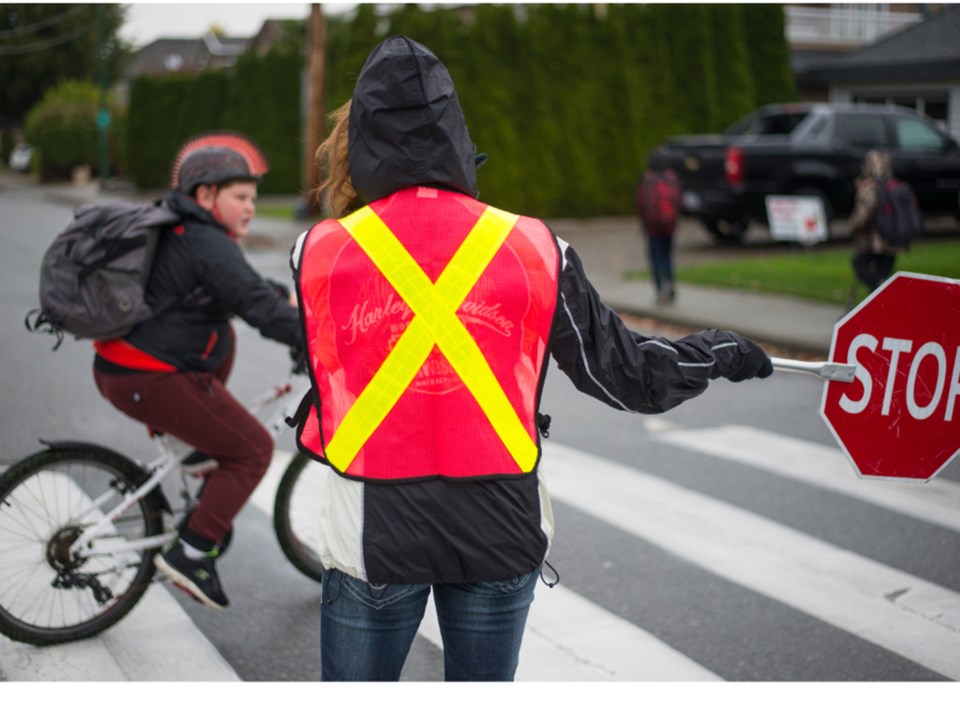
(733, 165)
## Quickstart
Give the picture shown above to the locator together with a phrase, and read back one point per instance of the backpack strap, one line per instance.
(43, 325)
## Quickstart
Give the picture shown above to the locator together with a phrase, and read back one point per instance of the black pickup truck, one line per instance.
(809, 150)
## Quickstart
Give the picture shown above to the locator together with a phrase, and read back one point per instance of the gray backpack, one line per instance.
(93, 278)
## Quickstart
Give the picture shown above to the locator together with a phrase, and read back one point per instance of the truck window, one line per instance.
(915, 134)
(862, 131)
(759, 124)
(776, 124)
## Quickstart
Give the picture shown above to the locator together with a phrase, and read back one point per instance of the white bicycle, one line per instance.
(80, 524)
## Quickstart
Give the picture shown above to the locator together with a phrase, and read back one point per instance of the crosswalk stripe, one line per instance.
(895, 610)
(937, 501)
(569, 639)
(156, 642)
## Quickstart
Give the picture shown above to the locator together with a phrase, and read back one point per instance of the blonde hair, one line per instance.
(336, 192)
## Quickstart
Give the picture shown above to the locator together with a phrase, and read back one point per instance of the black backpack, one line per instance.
(94, 276)
(898, 216)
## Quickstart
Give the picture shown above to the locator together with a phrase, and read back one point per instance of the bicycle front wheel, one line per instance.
(296, 514)
(47, 594)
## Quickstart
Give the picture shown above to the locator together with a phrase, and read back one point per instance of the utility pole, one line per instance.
(103, 114)
(316, 99)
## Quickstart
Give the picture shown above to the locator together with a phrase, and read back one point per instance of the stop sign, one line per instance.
(900, 417)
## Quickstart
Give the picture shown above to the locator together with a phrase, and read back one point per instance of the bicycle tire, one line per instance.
(296, 515)
(46, 596)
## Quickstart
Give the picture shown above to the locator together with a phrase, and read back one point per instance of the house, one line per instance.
(169, 55)
(191, 55)
(917, 66)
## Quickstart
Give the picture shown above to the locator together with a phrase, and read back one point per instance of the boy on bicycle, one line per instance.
(170, 371)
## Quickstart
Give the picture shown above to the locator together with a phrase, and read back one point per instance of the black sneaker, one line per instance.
(198, 578)
(197, 462)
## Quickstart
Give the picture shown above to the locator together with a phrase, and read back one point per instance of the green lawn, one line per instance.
(277, 210)
(819, 273)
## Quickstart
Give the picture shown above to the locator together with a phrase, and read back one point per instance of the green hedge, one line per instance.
(164, 112)
(260, 97)
(566, 99)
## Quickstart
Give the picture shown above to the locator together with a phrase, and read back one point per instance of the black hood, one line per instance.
(406, 126)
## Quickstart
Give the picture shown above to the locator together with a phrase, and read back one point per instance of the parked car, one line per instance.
(809, 150)
(20, 157)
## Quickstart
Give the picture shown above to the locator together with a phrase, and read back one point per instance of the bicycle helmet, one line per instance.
(214, 158)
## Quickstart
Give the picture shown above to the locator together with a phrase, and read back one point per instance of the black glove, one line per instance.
(754, 362)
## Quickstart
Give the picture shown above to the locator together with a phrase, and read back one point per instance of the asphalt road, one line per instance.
(728, 539)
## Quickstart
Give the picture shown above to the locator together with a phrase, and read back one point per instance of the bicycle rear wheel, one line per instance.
(296, 514)
(48, 596)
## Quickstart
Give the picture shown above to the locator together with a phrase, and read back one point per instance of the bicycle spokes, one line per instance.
(51, 591)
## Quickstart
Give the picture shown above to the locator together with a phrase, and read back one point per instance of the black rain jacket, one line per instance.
(406, 128)
(203, 271)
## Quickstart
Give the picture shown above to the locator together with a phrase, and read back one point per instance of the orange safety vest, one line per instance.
(427, 317)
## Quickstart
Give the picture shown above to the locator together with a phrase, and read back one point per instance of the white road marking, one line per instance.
(156, 642)
(895, 610)
(569, 639)
(936, 501)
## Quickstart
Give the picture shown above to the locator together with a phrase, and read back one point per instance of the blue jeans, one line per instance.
(661, 260)
(366, 630)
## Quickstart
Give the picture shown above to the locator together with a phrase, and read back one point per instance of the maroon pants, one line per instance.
(197, 408)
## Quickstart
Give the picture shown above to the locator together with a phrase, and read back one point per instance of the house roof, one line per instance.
(166, 55)
(929, 49)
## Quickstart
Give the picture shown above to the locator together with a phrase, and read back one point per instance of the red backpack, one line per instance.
(658, 202)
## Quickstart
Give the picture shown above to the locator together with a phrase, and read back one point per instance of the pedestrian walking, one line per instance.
(658, 205)
(873, 254)
(429, 319)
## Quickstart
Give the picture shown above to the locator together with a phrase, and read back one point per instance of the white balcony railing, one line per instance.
(844, 24)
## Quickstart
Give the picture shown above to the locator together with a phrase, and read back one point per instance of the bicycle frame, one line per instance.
(172, 450)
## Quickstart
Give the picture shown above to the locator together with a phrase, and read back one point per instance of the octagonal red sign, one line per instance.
(900, 417)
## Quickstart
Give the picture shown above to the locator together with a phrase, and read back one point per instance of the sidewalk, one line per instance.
(613, 249)
(799, 325)
(610, 247)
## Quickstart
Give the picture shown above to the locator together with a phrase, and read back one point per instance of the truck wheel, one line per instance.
(726, 232)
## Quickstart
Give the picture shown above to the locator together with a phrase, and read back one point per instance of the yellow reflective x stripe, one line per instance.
(435, 323)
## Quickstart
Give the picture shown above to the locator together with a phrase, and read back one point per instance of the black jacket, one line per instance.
(204, 273)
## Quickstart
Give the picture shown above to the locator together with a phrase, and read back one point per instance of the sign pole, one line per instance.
(830, 371)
